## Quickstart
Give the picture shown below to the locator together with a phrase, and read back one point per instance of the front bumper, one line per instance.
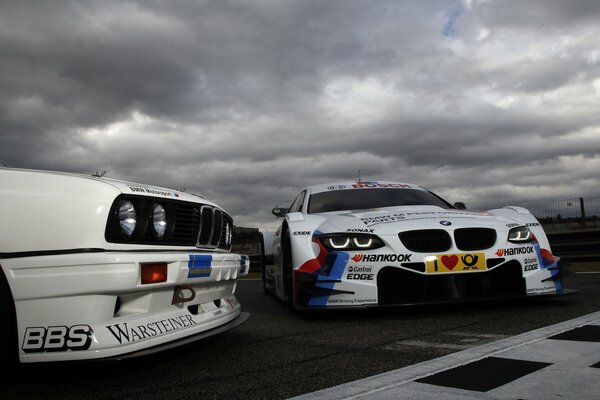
(93, 305)
(395, 286)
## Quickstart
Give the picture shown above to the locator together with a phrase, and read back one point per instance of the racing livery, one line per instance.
(393, 243)
(95, 268)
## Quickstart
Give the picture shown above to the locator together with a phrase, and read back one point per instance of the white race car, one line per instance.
(393, 243)
(99, 268)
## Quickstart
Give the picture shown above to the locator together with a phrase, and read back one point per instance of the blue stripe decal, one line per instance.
(548, 264)
(337, 269)
(243, 260)
(199, 265)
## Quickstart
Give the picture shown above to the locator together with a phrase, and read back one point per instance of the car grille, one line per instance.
(399, 286)
(426, 240)
(439, 240)
(201, 226)
(470, 239)
(189, 224)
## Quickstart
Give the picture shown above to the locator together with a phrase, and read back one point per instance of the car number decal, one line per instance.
(456, 262)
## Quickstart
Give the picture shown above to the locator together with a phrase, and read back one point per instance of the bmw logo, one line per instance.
(446, 223)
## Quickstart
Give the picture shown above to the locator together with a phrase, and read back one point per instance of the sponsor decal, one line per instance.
(232, 302)
(331, 264)
(390, 218)
(360, 268)
(532, 224)
(38, 339)
(371, 185)
(514, 251)
(360, 277)
(540, 290)
(352, 301)
(531, 267)
(456, 262)
(362, 273)
(244, 260)
(126, 334)
(301, 233)
(147, 190)
(381, 257)
(512, 225)
(446, 223)
(336, 187)
(360, 230)
(199, 265)
(383, 219)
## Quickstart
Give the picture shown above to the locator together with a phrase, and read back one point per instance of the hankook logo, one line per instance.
(381, 257)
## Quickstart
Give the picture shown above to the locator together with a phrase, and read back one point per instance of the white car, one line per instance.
(392, 243)
(96, 268)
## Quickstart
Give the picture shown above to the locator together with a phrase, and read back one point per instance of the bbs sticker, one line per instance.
(40, 339)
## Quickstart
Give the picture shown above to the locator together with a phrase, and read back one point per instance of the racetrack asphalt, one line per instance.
(278, 355)
(558, 361)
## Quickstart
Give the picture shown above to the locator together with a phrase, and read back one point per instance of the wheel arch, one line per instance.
(8, 320)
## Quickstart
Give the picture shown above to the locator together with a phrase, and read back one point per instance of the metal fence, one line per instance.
(567, 214)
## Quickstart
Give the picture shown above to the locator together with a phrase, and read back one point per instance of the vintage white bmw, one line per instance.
(95, 268)
(392, 243)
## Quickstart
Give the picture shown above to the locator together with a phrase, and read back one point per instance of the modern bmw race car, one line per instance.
(95, 268)
(392, 243)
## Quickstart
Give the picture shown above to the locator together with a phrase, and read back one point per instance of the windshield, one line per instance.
(372, 198)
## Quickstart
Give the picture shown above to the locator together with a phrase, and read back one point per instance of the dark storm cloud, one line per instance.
(246, 102)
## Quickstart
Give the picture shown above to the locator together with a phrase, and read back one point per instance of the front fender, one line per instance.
(301, 233)
(522, 216)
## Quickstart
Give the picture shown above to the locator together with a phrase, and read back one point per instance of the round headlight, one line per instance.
(159, 220)
(127, 218)
(339, 242)
(363, 242)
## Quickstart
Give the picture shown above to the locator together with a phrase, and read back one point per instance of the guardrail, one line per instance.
(572, 226)
(576, 245)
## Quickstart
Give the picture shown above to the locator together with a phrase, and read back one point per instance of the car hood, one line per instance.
(391, 220)
(71, 179)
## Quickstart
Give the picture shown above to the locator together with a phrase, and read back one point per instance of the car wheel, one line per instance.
(262, 265)
(288, 271)
(7, 323)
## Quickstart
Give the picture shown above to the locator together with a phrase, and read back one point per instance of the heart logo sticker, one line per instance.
(450, 261)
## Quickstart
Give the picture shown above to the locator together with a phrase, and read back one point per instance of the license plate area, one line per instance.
(445, 263)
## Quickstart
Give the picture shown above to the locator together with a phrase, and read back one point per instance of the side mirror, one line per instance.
(460, 205)
(279, 212)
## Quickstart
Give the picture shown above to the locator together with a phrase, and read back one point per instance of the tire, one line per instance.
(288, 271)
(262, 265)
(8, 335)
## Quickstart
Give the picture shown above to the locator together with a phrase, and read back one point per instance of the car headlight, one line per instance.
(228, 234)
(127, 218)
(159, 221)
(351, 241)
(520, 234)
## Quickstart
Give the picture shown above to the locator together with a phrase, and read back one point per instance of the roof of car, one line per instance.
(328, 187)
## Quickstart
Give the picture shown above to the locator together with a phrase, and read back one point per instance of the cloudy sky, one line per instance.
(246, 102)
